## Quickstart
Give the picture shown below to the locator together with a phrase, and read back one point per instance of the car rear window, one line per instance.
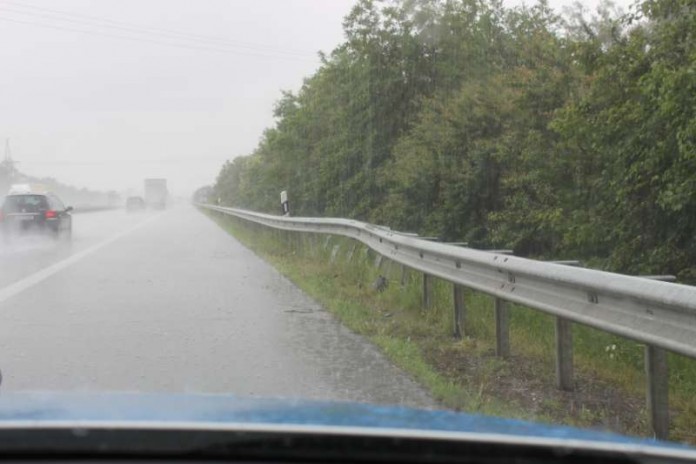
(24, 204)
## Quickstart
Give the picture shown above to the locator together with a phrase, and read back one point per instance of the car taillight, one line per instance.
(50, 214)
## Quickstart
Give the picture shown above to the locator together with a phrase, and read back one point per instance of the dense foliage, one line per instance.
(566, 137)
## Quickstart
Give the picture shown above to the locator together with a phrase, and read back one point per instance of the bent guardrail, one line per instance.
(659, 314)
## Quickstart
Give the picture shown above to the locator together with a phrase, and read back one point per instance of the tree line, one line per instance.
(559, 136)
(73, 196)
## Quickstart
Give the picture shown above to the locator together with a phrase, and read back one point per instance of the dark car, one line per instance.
(26, 212)
(135, 204)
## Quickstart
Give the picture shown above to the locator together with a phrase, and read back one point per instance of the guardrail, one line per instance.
(78, 209)
(659, 314)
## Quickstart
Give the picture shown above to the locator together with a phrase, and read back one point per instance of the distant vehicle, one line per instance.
(135, 204)
(31, 209)
(156, 193)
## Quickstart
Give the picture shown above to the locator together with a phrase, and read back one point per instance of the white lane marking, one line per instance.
(29, 281)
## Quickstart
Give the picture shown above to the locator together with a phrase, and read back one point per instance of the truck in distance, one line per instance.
(156, 193)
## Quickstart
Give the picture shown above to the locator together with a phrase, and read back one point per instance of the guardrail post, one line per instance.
(387, 268)
(657, 378)
(378, 261)
(293, 242)
(502, 328)
(564, 354)
(284, 239)
(301, 243)
(404, 275)
(427, 291)
(459, 311)
(349, 258)
(313, 246)
(297, 240)
(334, 253)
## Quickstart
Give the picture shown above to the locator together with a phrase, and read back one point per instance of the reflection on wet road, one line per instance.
(169, 302)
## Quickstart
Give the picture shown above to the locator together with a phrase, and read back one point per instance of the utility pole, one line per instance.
(7, 163)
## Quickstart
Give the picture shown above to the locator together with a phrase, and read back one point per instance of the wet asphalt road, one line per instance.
(169, 302)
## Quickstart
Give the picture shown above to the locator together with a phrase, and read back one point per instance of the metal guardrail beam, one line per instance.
(500, 252)
(658, 313)
(644, 308)
(568, 262)
(78, 209)
(663, 278)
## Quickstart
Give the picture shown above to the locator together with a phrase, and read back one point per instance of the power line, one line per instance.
(200, 42)
(93, 21)
(156, 30)
(126, 161)
(158, 42)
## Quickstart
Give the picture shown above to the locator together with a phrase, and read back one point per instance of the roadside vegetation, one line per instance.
(464, 374)
(558, 136)
(73, 196)
(564, 137)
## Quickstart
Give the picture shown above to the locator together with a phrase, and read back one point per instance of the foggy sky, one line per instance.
(162, 88)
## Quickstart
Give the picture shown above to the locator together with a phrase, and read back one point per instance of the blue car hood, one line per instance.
(212, 410)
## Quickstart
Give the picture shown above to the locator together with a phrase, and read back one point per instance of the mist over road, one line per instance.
(169, 302)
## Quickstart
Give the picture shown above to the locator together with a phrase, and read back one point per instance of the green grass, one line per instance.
(464, 374)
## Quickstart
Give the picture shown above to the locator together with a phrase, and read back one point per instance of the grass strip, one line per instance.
(342, 275)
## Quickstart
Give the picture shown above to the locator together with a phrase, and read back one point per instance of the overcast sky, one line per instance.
(103, 93)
